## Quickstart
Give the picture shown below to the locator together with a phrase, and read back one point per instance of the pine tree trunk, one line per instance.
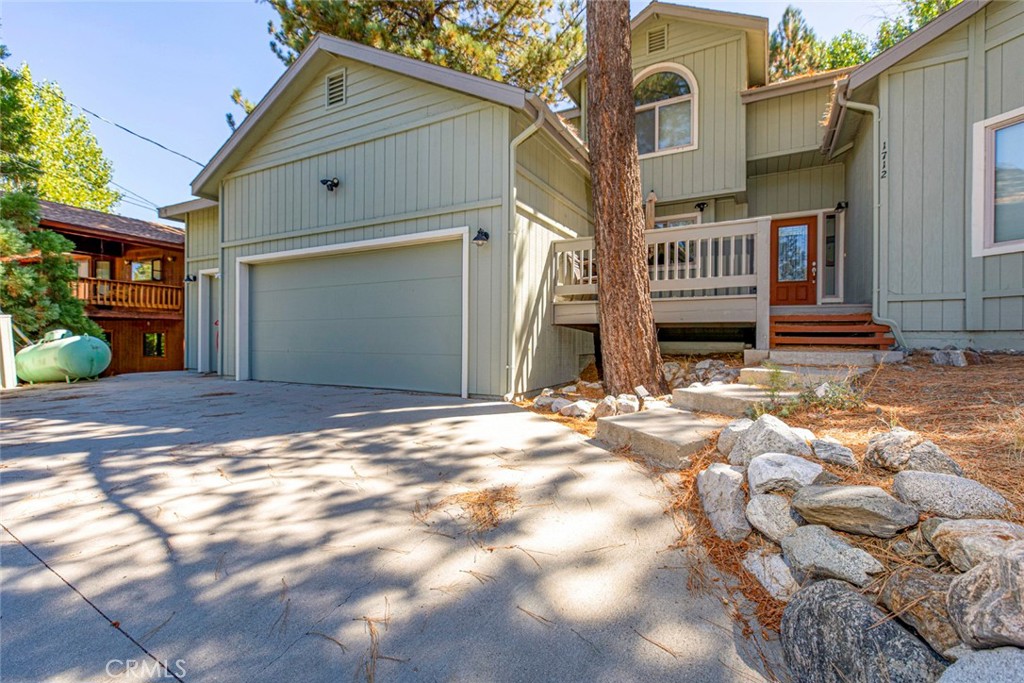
(629, 342)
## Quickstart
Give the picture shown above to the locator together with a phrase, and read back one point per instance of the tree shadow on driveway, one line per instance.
(259, 531)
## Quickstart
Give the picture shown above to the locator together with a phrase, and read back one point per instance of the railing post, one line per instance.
(763, 268)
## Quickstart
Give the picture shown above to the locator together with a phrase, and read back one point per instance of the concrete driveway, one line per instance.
(279, 532)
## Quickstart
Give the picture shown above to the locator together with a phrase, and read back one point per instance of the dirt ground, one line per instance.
(975, 414)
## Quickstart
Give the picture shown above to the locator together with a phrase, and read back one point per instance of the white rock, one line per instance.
(656, 404)
(768, 434)
(606, 407)
(818, 552)
(831, 451)
(559, 403)
(770, 472)
(999, 665)
(721, 494)
(772, 515)
(773, 573)
(730, 433)
(965, 543)
(947, 495)
(547, 392)
(806, 434)
(581, 409)
(543, 401)
(627, 403)
(568, 389)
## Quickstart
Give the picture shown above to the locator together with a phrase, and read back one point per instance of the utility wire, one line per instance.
(132, 194)
(60, 95)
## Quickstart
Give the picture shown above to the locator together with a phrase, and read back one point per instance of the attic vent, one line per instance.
(657, 39)
(335, 88)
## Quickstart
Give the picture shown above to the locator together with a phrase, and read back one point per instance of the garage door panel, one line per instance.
(390, 318)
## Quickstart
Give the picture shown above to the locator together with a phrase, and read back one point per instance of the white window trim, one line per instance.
(982, 191)
(664, 219)
(204, 324)
(692, 98)
(243, 264)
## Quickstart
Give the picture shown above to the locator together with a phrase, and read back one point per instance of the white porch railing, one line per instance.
(728, 259)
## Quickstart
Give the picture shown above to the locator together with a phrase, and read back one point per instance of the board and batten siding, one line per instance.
(552, 203)
(931, 285)
(787, 124)
(411, 157)
(859, 247)
(201, 253)
(717, 58)
(806, 189)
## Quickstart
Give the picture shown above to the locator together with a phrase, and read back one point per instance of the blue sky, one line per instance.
(166, 70)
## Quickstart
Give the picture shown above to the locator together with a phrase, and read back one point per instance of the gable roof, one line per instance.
(180, 211)
(318, 53)
(52, 214)
(755, 27)
(868, 71)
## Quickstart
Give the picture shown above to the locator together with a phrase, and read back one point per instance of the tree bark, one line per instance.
(629, 342)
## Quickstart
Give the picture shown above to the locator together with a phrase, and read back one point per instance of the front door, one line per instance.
(795, 261)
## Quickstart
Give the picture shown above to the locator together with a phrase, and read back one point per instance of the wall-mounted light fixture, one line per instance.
(700, 206)
(190, 278)
(330, 183)
(842, 206)
(481, 238)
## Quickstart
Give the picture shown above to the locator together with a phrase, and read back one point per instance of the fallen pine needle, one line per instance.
(546, 622)
(657, 644)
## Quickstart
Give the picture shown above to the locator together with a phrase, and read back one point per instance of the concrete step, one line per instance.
(664, 435)
(837, 358)
(724, 399)
(797, 376)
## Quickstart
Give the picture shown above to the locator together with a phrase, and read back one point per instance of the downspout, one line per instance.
(512, 147)
(876, 211)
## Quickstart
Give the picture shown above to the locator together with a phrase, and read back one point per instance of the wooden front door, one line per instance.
(795, 261)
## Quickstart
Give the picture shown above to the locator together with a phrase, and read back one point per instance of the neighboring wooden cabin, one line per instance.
(130, 278)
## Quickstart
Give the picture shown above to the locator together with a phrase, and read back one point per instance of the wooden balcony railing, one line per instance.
(143, 295)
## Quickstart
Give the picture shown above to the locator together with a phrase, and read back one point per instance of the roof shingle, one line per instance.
(121, 226)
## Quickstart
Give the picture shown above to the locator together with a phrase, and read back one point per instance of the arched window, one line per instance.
(665, 96)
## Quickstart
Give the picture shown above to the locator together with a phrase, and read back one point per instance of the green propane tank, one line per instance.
(62, 356)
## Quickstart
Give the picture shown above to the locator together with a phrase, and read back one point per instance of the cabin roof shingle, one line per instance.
(108, 223)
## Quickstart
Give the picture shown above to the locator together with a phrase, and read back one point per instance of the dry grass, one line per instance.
(487, 508)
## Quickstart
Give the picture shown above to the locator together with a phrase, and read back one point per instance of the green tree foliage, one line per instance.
(847, 49)
(528, 43)
(793, 48)
(73, 168)
(38, 293)
(913, 15)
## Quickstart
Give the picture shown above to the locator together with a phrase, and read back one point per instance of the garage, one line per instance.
(388, 318)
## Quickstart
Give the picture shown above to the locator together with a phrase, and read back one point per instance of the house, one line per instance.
(377, 221)
(130, 279)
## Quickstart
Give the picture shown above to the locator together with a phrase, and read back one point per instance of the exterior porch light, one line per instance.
(190, 278)
(481, 238)
(700, 206)
(330, 183)
(842, 206)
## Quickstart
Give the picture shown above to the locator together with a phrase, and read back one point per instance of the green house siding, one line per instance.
(717, 58)
(552, 203)
(787, 124)
(859, 215)
(411, 157)
(931, 285)
(807, 189)
(201, 253)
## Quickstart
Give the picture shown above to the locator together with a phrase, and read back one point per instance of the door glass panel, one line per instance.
(645, 131)
(793, 253)
(1009, 191)
(830, 255)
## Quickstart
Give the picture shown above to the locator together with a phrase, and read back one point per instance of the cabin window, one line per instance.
(144, 271)
(103, 270)
(998, 193)
(680, 221)
(665, 97)
(154, 345)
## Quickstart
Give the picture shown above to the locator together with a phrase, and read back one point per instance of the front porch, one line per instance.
(758, 273)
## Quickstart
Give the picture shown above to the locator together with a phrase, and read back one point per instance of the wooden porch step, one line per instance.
(856, 329)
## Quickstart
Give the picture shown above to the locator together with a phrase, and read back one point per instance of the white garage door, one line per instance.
(390, 318)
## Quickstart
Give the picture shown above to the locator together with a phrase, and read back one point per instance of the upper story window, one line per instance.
(998, 196)
(665, 96)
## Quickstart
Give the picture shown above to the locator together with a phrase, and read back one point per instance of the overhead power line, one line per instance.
(60, 95)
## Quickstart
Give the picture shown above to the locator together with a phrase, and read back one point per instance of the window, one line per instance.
(677, 221)
(103, 270)
(154, 345)
(665, 97)
(998, 196)
(143, 271)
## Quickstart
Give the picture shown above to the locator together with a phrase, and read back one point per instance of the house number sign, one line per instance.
(885, 161)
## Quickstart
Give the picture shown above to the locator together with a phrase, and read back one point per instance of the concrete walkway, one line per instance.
(249, 531)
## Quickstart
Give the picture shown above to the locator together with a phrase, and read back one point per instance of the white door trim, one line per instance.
(243, 264)
(203, 322)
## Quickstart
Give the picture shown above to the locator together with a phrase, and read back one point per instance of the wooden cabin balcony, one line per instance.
(705, 274)
(135, 295)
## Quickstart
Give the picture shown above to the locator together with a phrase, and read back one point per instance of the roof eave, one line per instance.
(179, 211)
